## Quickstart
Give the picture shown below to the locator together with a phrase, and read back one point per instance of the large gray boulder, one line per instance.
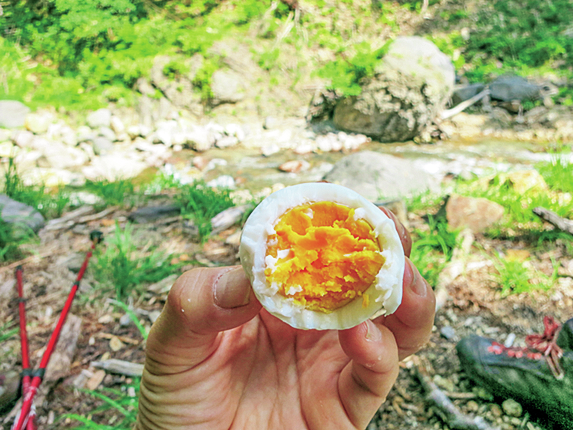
(227, 87)
(12, 113)
(412, 84)
(379, 176)
(14, 212)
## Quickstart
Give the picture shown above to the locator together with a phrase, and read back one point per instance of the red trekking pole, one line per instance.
(26, 372)
(38, 375)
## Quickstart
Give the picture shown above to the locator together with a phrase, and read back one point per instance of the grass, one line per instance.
(199, 203)
(122, 267)
(142, 330)
(114, 193)
(118, 403)
(515, 276)
(51, 203)
(558, 174)
(433, 248)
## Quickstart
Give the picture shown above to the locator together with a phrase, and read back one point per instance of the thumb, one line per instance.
(202, 303)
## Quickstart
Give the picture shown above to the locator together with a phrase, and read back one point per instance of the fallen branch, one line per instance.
(464, 105)
(562, 224)
(120, 367)
(31, 258)
(449, 413)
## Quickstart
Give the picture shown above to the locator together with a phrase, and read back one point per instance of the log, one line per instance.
(120, 367)
(562, 224)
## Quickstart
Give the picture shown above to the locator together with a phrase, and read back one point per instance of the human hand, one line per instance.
(216, 360)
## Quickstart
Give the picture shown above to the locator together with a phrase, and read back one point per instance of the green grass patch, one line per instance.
(199, 203)
(49, 202)
(118, 409)
(122, 267)
(432, 248)
(516, 276)
(114, 193)
(558, 174)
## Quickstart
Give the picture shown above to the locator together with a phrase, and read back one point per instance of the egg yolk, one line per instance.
(322, 257)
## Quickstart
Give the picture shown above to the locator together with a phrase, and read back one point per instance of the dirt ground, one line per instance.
(474, 305)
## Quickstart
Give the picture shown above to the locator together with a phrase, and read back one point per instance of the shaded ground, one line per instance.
(475, 306)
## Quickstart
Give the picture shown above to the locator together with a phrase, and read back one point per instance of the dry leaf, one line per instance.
(115, 344)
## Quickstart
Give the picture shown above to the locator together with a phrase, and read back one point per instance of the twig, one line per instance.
(562, 224)
(119, 366)
(29, 259)
(451, 415)
(464, 105)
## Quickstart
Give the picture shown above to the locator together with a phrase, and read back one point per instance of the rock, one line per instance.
(116, 125)
(99, 118)
(13, 113)
(108, 133)
(223, 181)
(73, 261)
(38, 123)
(376, 175)
(477, 214)
(102, 145)
(412, 84)
(154, 213)
(448, 332)
(270, 149)
(7, 150)
(113, 167)
(527, 180)
(201, 139)
(23, 138)
(294, 166)
(60, 156)
(17, 213)
(271, 122)
(228, 218)
(512, 408)
(163, 286)
(466, 92)
(226, 142)
(508, 88)
(9, 387)
(227, 87)
(5, 135)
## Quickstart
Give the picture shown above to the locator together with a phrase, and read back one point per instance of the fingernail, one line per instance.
(232, 289)
(373, 333)
(417, 284)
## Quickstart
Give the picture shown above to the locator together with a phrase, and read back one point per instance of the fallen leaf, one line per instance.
(95, 380)
(108, 222)
(115, 344)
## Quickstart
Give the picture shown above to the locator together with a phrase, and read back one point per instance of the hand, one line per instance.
(216, 360)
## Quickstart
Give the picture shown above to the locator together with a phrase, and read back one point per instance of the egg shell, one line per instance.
(385, 293)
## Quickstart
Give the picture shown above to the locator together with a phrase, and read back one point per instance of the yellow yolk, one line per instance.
(322, 257)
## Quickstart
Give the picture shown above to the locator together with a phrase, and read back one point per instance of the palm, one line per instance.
(272, 374)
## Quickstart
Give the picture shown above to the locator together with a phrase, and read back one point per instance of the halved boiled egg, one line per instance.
(320, 256)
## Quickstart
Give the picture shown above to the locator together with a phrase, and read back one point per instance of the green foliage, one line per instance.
(558, 173)
(123, 267)
(9, 246)
(516, 276)
(118, 193)
(118, 409)
(6, 332)
(204, 78)
(200, 203)
(433, 248)
(523, 37)
(345, 74)
(50, 203)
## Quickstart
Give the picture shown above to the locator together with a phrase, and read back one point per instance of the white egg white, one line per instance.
(385, 294)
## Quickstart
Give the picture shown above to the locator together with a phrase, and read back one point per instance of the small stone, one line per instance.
(223, 181)
(271, 122)
(270, 149)
(38, 123)
(96, 379)
(99, 118)
(101, 145)
(478, 214)
(117, 125)
(23, 138)
(107, 133)
(448, 332)
(512, 408)
(12, 113)
(125, 320)
(472, 406)
(294, 166)
(105, 319)
(496, 410)
(115, 344)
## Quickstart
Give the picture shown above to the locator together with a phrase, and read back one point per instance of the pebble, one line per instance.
(496, 410)
(472, 406)
(448, 332)
(512, 408)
